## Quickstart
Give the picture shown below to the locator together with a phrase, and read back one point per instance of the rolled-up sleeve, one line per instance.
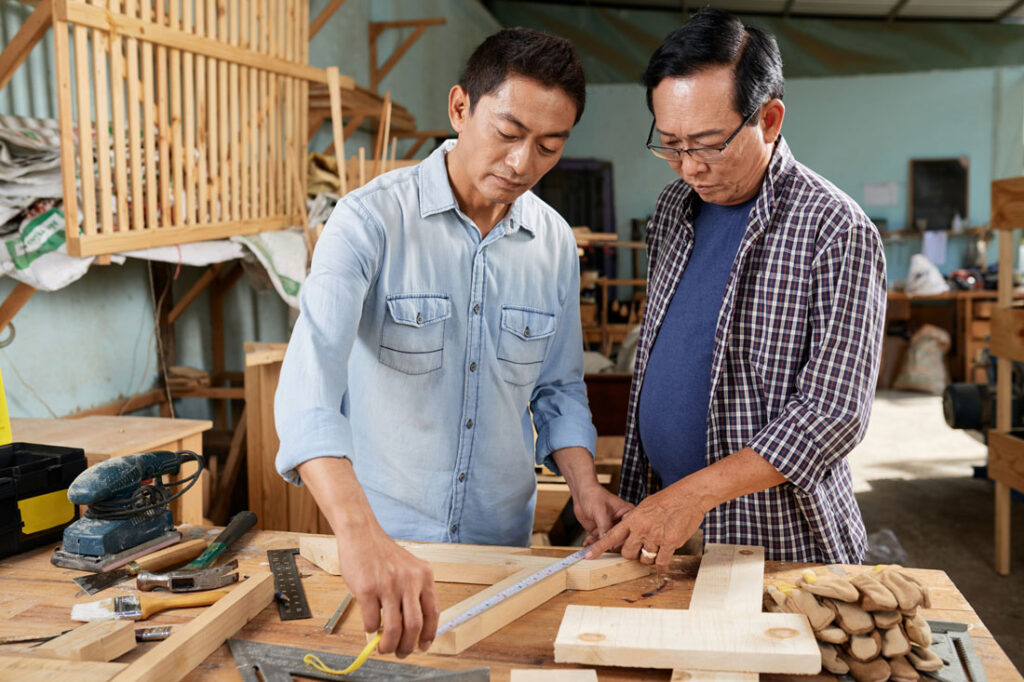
(314, 375)
(827, 415)
(561, 413)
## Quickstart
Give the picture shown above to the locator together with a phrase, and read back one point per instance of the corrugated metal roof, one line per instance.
(956, 10)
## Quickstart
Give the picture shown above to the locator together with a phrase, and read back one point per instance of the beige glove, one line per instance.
(874, 596)
(924, 659)
(828, 585)
(850, 617)
(864, 648)
(895, 642)
(887, 619)
(902, 671)
(830, 660)
(875, 671)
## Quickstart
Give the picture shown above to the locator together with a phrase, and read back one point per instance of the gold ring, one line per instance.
(645, 553)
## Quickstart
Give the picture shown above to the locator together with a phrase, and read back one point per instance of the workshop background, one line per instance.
(878, 94)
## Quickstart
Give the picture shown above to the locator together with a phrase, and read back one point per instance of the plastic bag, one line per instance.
(924, 365)
(924, 279)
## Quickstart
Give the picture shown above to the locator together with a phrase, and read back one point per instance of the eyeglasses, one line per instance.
(702, 154)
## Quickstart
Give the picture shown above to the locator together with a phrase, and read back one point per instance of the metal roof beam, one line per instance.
(1014, 6)
(896, 9)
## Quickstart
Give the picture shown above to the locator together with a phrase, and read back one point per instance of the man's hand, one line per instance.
(392, 587)
(663, 522)
(659, 525)
(596, 508)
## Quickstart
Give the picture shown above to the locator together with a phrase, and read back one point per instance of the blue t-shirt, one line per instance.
(673, 408)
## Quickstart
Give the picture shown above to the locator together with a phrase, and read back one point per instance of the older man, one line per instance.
(760, 345)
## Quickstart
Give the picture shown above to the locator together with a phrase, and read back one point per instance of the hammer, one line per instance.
(198, 575)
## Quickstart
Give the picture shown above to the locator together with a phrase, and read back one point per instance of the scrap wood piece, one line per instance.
(712, 640)
(101, 640)
(486, 564)
(180, 653)
(26, 669)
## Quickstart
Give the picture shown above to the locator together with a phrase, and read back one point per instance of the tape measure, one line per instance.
(493, 600)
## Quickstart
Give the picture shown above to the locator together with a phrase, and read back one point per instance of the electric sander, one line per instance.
(127, 514)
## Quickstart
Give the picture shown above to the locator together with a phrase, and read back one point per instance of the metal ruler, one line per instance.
(291, 598)
(278, 663)
(529, 580)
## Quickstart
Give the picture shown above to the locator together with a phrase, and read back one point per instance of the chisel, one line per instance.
(165, 558)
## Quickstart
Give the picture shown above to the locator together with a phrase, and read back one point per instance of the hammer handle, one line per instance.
(153, 605)
(239, 524)
(172, 556)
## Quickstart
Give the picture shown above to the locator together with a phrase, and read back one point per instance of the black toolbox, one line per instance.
(34, 506)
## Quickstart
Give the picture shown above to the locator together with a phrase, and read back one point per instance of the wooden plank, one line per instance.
(263, 356)
(29, 34)
(14, 302)
(325, 14)
(234, 126)
(101, 126)
(491, 620)
(485, 565)
(189, 98)
(178, 203)
(731, 578)
(84, 115)
(188, 645)
(163, 125)
(1006, 459)
(1007, 204)
(117, 84)
(202, 116)
(223, 111)
(276, 490)
(81, 14)
(212, 124)
(1007, 333)
(1003, 340)
(25, 669)
(713, 640)
(254, 436)
(135, 149)
(525, 675)
(208, 276)
(66, 122)
(148, 126)
(100, 640)
(169, 236)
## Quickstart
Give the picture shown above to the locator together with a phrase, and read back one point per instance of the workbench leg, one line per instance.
(1002, 528)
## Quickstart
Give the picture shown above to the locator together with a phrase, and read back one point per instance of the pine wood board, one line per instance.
(24, 669)
(714, 640)
(100, 640)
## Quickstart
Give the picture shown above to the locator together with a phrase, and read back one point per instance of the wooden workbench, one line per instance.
(40, 596)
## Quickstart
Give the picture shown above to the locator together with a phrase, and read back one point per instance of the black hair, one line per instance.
(715, 38)
(547, 59)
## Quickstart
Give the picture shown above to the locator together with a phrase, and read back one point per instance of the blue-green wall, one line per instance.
(853, 130)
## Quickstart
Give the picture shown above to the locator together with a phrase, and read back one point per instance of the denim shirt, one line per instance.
(422, 350)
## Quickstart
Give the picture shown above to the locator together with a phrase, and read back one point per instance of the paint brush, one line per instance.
(140, 606)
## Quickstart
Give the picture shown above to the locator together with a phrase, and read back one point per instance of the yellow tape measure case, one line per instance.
(34, 506)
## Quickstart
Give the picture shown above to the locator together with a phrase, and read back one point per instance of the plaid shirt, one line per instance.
(795, 361)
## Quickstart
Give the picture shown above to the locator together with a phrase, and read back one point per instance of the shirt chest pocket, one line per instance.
(412, 336)
(523, 343)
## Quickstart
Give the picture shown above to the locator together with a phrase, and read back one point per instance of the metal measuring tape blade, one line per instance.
(529, 580)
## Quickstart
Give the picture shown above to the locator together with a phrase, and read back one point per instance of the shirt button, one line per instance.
(476, 309)
(526, 332)
(469, 424)
(455, 527)
(462, 477)
(472, 367)
(419, 319)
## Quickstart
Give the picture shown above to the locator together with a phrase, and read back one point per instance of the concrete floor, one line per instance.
(913, 475)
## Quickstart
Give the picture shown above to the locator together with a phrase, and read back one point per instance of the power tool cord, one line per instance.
(148, 497)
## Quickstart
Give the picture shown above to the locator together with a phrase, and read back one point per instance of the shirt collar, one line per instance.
(436, 194)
